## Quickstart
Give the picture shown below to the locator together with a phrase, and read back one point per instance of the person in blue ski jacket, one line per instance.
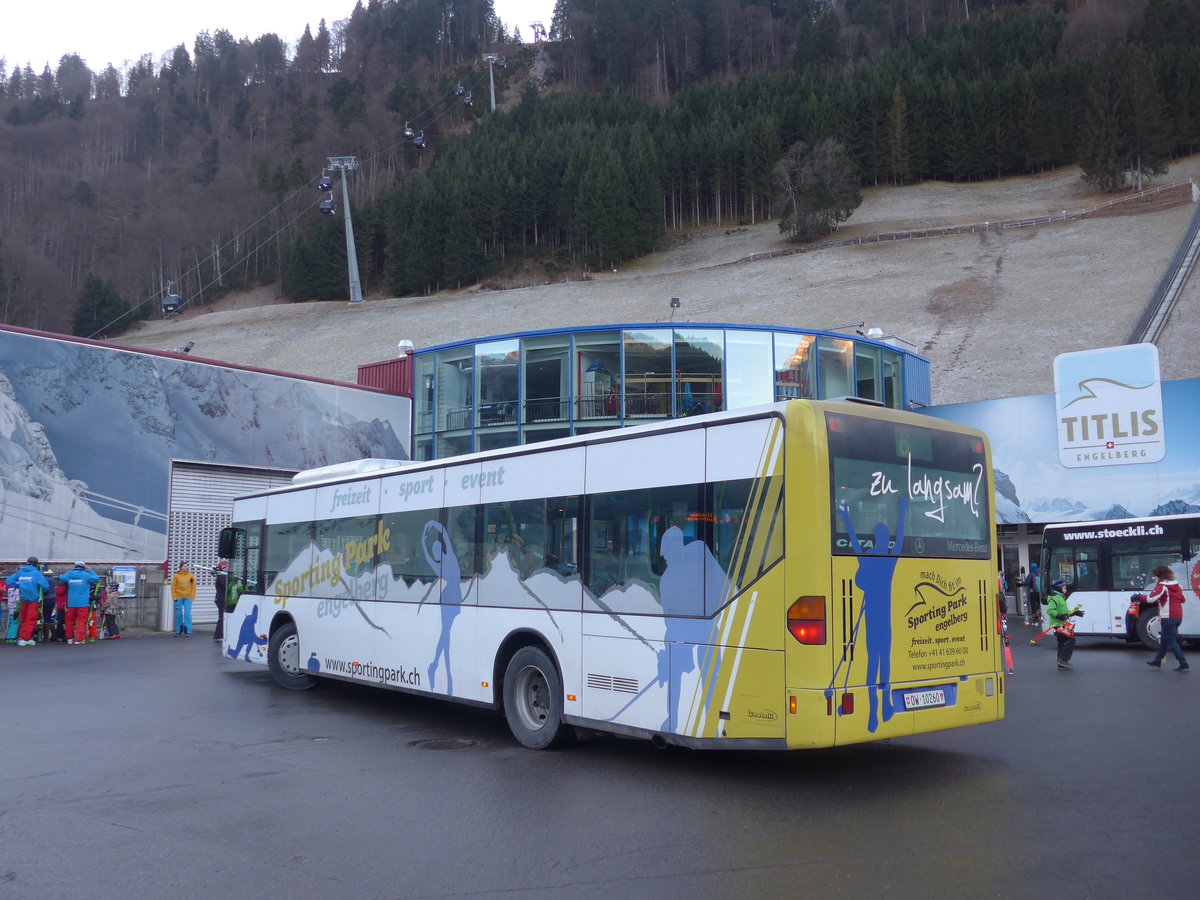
(79, 583)
(33, 586)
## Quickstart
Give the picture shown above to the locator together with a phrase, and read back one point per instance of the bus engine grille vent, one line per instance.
(612, 683)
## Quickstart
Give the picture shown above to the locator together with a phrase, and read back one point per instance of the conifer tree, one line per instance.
(99, 305)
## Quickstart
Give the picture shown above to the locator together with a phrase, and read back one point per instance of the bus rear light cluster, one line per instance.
(806, 620)
(845, 705)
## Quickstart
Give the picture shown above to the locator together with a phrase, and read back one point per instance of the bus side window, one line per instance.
(562, 535)
(404, 556)
(516, 530)
(1085, 575)
(289, 548)
(628, 529)
(462, 524)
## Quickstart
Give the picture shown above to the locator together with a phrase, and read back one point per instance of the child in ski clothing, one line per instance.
(98, 595)
(48, 607)
(32, 584)
(110, 605)
(4, 594)
(13, 594)
(1169, 597)
(60, 608)
(183, 591)
(1059, 613)
(79, 583)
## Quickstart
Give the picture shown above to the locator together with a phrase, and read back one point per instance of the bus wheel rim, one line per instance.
(533, 693)
(289, 655)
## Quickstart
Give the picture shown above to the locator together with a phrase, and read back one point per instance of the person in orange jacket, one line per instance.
(183, 592)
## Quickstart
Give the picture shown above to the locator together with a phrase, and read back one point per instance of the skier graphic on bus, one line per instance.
(439, 553)
(248, 636)
(692, 574)
(876, 566)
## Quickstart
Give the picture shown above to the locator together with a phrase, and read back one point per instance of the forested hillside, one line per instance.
(199, 171)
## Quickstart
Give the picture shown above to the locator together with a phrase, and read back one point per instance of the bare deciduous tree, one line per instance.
(817, 188)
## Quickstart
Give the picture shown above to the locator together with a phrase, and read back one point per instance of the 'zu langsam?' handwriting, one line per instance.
(939, 490)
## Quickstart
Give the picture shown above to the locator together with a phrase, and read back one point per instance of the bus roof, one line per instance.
(1132, 520)
(356, 469)
(352, 469)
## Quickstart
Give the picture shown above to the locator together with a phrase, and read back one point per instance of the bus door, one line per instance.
(1189, 579)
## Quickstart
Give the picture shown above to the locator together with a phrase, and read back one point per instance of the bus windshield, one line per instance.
(925, 486)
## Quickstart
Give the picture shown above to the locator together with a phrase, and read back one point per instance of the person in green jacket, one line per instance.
(1060, 615)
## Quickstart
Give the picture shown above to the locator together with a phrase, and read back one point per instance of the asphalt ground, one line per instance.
(151, 767)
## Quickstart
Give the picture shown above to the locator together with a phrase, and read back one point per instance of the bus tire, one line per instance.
(533, 700)
(1149, 629)
(283, 659)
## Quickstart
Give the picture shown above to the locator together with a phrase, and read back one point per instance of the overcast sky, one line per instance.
(102, 33)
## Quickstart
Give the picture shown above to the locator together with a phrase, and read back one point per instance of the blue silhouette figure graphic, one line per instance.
(439, 553)
(692, 582)
(874, 578)
(314, 664)
(248, 637)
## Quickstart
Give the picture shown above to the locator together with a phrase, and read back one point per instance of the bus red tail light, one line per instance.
(806, 620)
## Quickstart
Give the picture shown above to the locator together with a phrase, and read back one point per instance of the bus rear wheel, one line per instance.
(533, 700)
(1149, 630)
(283, 659)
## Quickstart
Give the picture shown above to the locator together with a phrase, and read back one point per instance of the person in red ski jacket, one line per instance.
(1169, 597)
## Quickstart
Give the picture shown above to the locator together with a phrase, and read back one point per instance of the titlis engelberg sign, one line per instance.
(1109, 407)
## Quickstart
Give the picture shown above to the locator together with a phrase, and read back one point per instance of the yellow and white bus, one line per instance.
(804, 574)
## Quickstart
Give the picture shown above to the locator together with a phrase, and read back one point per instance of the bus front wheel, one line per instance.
(283, 659)
(533, 700)
(1149, 630)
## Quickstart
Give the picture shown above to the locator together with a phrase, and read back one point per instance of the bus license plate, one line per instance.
(925, 699)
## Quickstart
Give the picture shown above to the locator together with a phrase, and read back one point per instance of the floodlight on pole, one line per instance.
(857, 326)
(344, 164)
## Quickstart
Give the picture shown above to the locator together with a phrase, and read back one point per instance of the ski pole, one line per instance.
(1042, 635)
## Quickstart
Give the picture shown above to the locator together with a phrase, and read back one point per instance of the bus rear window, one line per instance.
(924, 486)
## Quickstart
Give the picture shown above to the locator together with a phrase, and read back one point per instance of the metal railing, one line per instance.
(611, 406)
(1153, 319)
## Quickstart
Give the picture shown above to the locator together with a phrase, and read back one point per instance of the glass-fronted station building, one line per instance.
(520, 388)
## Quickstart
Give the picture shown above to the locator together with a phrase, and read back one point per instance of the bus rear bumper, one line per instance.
(849, 714)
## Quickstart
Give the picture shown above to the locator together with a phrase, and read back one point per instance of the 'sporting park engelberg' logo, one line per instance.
(1109, 407)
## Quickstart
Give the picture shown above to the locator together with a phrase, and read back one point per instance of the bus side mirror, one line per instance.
(228, 542)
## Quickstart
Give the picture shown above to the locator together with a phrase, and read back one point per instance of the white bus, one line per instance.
(804, 574)
(1107, 562)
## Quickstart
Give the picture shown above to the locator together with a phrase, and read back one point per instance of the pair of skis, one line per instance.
(1008, 660)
